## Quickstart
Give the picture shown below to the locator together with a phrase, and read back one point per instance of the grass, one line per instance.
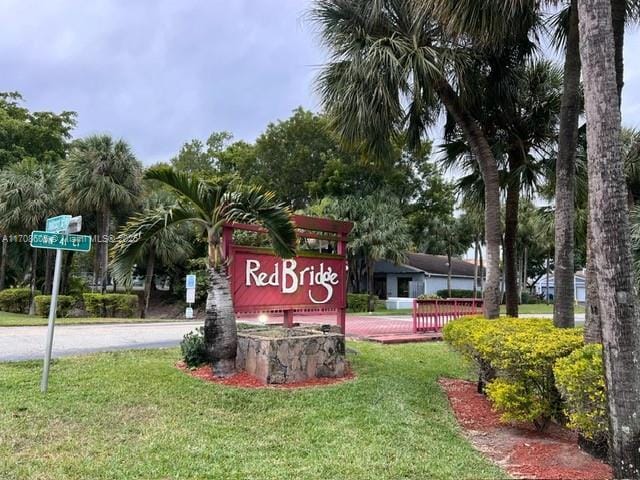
(22, 320)
(133, 415)
(537, 308)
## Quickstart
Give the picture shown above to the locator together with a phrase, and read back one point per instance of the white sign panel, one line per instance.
(191, 281)
(191, 295)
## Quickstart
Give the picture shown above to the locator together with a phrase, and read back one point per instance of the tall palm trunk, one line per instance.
(3, 260)
(592, 327)
(48, 272)
(547, 280)
(611, 234)
(104, 249)
(475, 267)
(563, 274)
(525, 261)
(34, 271)
(370, 279)
(220, 334)
(66, 271)
(449, 272)
(489, 169)
(148, 280)
(511, 234)
(592, 324)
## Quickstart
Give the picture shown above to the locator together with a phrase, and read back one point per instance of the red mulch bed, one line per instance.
(518, 448)
(245, 380)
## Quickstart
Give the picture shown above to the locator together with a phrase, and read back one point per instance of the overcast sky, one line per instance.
(161, 72)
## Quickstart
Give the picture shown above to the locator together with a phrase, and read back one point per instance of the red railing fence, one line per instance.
(430, 315)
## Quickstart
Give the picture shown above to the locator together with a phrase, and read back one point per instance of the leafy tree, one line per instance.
(291, 153)
(207, 206)
(101, 176)
(42, 136)
(27, 198)
(203, 158)
(609, 223)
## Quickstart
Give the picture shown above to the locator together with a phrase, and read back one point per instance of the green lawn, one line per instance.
(133, 415)
(536, 308)
(19, 319)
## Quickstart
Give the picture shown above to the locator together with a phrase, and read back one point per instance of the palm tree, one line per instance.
(27, 198)
(99, 176)
(169, 246)
(524, 131)
(207, 206)
(392, 65)
(609, 221)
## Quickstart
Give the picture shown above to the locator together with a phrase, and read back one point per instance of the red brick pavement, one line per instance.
(384, 329)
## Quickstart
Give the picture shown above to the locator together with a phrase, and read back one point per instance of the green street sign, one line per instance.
(60, 241)
(58, 224)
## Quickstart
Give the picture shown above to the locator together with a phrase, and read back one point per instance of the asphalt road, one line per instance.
(27, 343)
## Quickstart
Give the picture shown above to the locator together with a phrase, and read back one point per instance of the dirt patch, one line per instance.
(244, 380)
(519, 448)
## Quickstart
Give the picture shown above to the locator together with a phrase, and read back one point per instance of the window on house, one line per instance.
(403, 286)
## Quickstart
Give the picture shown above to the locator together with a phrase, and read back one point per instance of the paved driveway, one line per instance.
(25, 343)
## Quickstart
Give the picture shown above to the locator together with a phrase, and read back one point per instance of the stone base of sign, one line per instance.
(281, 355)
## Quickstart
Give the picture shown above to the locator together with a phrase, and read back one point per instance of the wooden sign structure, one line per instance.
(312, 281)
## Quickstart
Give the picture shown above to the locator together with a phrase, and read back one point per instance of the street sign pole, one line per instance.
(44, 384)
(57, 237)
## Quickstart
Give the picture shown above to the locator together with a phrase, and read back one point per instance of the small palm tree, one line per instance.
(169, 246)
(208, 206)
(100, 176)
(26, 200)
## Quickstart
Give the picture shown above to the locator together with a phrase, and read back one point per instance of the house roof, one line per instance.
(430, 264)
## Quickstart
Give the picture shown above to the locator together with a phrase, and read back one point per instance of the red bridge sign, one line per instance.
(261, 282)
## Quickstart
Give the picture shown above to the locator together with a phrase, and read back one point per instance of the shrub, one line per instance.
(16, 300)
(77, 286)
(359, 302)
(65, 304)
(521, 354)
(429, 296)
(580, 380)
(455, 293)
(193, 349)
(110, 304)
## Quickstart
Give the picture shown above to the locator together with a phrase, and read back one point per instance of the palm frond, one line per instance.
(253, 205)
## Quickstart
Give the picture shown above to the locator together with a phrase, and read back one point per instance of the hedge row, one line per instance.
(456, 293)
(533, 371)
(65, 304)
(110, 304)
(359, 302)
(16, 300)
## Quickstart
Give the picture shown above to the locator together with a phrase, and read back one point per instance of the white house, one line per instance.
(421, 273)
(580, 287)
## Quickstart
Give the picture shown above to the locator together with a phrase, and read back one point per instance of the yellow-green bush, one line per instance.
(580, 380)
(65, 304)
(520, 354)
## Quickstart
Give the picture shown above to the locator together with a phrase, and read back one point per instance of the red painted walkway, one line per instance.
(377, 328)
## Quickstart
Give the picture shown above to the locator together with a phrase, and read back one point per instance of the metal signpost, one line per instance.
(191, 295)
(57, 237)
